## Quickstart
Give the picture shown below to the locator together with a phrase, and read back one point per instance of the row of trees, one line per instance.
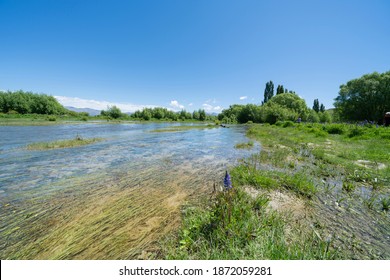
(160, 113)
(157, 113)
(317, 107)
(30, 103)
(286, 106)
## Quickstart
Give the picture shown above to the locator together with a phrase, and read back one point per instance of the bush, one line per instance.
(356, 131)
(288, 124)
(335, 129)
(271, 113)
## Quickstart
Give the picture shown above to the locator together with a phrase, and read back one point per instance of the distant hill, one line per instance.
(91, 112)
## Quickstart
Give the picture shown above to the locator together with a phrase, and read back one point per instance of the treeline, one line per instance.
(364, 99)
(30, 103)
(160, 113)
(281, 107)
(157, 113)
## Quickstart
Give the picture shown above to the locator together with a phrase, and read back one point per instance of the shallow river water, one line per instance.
(125, 189)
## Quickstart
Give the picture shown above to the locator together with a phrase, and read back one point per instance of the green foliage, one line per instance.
(288, 124)
(325, 117)
(316, 106)
(202, 115)
(335, 129)
(365, 98)
(272, 112)
(280, 89)
(385, 203)
(313, 116)
(112, 112)
(283, 107)
(348, 186)
(159, 113)
(61, 144)
(247, 145)
(268, 91)
(249, 113)
(292, 102)
(238, 226)
(230, 115)
(298, 182)
(30, 103)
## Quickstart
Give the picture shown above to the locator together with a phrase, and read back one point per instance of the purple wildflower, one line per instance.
(227, 182)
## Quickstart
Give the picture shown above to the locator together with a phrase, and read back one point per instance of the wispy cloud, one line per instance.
(243, 97)
(211, 100)
(99, 105)
(176, 105)
(211, 109)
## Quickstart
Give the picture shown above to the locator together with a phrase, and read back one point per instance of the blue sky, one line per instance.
(189, 54)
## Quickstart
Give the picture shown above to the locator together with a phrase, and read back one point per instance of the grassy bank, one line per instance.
(311, 193)
(241, 225)
(61, 144)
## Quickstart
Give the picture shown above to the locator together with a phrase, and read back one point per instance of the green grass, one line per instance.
(238, 226)
(298, 182)
(247, 145)
(296, 159)
(61, 144)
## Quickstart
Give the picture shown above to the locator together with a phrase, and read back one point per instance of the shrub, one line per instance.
(335, 129)
(356, 131)
(288, 124)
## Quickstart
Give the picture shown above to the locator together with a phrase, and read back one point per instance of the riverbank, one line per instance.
(44, 120)
(313, 192)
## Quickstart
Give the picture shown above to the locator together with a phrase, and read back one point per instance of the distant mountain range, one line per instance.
(91, 112)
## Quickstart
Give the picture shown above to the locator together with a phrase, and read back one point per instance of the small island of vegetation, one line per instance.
(61, 144)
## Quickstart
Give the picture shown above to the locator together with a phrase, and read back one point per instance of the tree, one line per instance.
(30, 103)
(196, 115)
(249, 112)
(365, 98)
(313, 116)
(280, 89)
(268, 91)
(292, 102)
(202, 115)
(316, 105)
(112, 112)
(231, 113)
(322, 108)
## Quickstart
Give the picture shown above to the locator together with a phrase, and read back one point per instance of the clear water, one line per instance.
(43, 192)
(126, 146)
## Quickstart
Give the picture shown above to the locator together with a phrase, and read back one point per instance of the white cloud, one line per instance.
(176, 105)
(243, 97)
(99, 105)
(190, 104)
(211, 109)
